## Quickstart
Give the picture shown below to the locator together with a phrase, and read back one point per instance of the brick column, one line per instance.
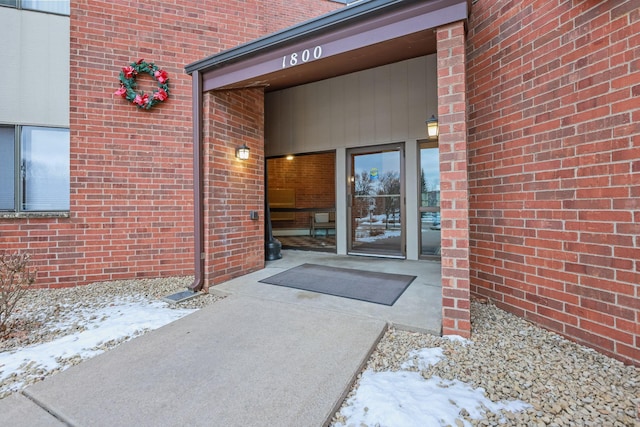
(454, 194)
(234, 243)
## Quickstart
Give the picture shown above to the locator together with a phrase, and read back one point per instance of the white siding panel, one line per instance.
(432, 84)
(9, 64)
(299, 134)
(400, 87)
(35, 66)
(286, 131)
(350, 99)
(366, 101)
(377, 106)
(273, 115)
(319, 103)
(337, 123)
(382, 104)
(417, 97)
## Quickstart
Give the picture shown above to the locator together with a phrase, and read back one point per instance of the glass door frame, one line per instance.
(373, 149)
(422, 144)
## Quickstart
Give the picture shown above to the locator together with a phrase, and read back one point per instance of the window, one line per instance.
(61, 7)
(429, 203)
(7, 168)
(34, 169)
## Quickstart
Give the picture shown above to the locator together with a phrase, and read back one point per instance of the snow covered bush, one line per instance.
(16, 276)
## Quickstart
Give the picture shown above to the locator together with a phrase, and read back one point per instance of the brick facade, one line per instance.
(234, 243)
(131, 170)
(539, 149)
(454, 196)
(554, 175)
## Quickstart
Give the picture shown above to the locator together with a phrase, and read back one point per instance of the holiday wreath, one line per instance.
(128, 84)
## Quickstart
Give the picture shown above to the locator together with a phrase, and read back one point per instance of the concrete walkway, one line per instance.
(418, 309)
(281, 359)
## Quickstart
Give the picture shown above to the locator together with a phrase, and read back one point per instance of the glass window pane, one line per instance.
(376, 203)
(430, 235)
(13, 3)
(45, 169)
(429, 177)
(55, 6)
(7, 168)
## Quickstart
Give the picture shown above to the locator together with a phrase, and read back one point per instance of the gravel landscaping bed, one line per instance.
(566, 384)
(44, 315)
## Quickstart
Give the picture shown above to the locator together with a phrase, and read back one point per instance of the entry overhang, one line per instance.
(357, 37)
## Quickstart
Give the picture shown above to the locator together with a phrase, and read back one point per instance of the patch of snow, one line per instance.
(406, 399)
(423, 358)
(122, 320)
(458, 339)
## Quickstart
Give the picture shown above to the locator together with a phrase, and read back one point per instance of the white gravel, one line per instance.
(47, 318)
(566, 384)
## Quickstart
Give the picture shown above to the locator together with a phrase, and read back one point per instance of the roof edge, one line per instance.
(317, 25)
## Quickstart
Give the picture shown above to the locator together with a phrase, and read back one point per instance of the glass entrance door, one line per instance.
(376, 201)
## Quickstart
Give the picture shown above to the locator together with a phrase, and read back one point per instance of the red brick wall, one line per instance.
(554, 143)
(313, 179)
(131, 170)
(454, 196)
(234, 243)
(280, 14)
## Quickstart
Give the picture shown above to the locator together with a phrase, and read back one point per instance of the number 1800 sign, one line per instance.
(298, 58)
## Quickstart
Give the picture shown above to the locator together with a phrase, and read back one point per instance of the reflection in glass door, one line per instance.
(376, 201)
(429, 200)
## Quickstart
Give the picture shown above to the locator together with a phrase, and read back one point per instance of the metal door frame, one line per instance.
(373, 149)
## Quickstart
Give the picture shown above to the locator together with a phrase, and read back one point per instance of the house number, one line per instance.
(301, 57)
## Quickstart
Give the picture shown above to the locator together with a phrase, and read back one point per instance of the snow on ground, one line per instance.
(406, 399)
(123, 319)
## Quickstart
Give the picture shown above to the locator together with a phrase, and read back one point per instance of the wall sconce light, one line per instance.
(242, 152)
(432, 127)
(289, 157)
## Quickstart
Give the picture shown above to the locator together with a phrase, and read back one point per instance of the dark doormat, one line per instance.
(370, 286)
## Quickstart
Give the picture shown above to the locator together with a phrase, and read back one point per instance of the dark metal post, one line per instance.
(272, 246)
(198, 235)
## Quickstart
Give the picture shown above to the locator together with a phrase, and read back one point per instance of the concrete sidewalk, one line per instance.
(418, 309)
(243, 361)
(266, 355)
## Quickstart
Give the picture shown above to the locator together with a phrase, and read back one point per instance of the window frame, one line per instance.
(18, 188)
(19, 5)
(432, 210)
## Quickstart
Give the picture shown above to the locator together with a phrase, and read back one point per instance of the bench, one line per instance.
(322, 221)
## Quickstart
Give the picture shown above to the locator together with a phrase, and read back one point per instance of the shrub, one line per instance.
(15, 279)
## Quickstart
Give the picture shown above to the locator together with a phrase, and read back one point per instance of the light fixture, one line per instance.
(432, 127)
(242, 152)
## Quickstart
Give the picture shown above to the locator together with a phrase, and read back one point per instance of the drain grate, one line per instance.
(180, 296)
